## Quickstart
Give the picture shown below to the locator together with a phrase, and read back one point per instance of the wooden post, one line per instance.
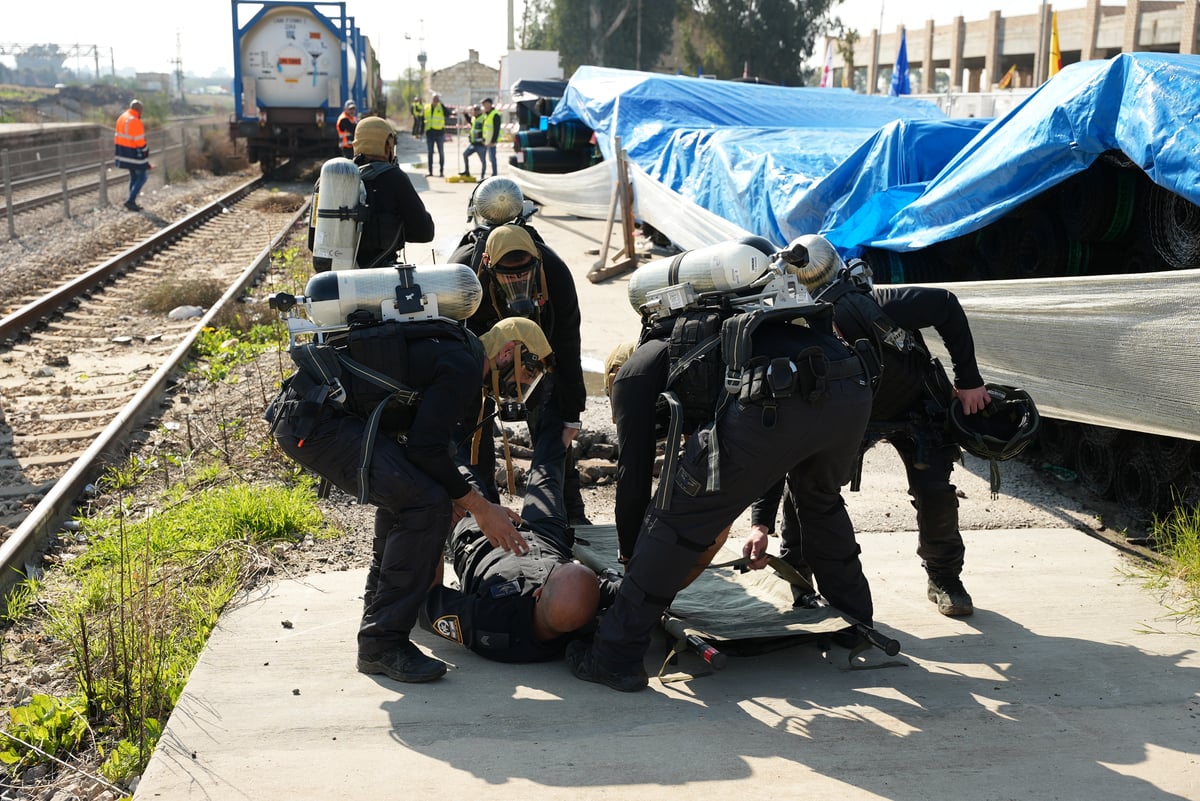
(62, 171)
(8, 207)
(622, 194)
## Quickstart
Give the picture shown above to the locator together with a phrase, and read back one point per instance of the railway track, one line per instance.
(47, 190)
(85, 365)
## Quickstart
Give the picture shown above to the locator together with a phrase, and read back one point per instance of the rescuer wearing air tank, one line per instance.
(523, 277)
(915, 408)
(387, 374)
(395, 213)
(799, 411)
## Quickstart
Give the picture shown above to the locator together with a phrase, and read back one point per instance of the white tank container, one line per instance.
(295, 59)
(447, 290)
(724, 267)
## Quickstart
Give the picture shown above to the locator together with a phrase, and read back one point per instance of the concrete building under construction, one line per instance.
(974, 56)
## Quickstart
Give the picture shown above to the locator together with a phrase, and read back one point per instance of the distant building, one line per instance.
(974, 56)
(153, 81)
(465, 83)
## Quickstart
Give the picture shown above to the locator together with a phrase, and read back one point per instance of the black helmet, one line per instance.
(1002, 430)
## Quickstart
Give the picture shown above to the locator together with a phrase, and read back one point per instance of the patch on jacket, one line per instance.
(449, 628)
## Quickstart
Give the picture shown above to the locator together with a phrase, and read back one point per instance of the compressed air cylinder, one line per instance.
(446, 290)
(337, 226)
(725, 267)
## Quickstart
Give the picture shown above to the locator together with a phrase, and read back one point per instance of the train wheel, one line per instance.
(1058, 440)
(1138, 485)
(1095, 466)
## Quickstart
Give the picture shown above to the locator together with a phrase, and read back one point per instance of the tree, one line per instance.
(536, 33)
(630, 34)
(770, 39)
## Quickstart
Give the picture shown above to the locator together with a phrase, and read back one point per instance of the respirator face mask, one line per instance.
(518, 284)
(516, 385)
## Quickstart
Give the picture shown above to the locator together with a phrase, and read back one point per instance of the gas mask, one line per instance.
(520, 285)
(514, 385)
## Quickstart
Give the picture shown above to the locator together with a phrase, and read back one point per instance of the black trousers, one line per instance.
(545, 433)
(813, 444)
(542, 514)
(412, 520)
(940, 543)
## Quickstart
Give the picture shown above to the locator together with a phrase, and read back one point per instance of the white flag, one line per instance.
(827, 73)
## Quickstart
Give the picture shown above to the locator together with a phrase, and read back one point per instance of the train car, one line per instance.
(295, 65)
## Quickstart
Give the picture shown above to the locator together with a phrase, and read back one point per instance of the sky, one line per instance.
(146, 39)
(200, 31)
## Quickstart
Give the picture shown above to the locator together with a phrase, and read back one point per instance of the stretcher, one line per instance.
(729, 610)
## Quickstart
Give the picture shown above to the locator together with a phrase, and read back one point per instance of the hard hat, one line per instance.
(371, 135)
(350, 105)
(1002, 429)
(498, 200)
(813, 260)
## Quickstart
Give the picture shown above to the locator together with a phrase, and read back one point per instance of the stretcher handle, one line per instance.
(706, 652)
(882, 642)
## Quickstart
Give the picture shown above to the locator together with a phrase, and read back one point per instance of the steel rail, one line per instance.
(36, 530)
(36, 312)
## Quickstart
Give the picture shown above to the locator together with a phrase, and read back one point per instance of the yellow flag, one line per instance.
(1007, 80)
(1055, 50)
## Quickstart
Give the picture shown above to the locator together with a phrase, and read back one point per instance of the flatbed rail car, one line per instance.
(295, 65)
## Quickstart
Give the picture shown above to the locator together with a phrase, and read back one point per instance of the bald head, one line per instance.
(567, 601)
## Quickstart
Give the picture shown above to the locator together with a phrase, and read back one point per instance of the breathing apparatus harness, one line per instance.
(358, 366)
(711, 361)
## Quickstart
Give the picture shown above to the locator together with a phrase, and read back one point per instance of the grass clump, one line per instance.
(221, 350)
(1177, 537)
(136, 608)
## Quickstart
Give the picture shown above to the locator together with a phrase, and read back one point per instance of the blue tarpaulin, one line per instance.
(1145, 105)
(889, 172)
(743, 151)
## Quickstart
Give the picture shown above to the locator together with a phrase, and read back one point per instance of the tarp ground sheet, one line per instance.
(739, 613)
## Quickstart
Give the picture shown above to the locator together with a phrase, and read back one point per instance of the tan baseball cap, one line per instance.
(371, 135)
(516, 329)
(508, 239)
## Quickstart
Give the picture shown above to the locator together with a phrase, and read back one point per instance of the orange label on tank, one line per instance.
(290, 61)
(314, 35)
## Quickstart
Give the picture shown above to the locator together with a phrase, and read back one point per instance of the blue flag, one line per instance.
(900, 72)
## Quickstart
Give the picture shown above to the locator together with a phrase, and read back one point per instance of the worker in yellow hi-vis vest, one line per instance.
(435, 134)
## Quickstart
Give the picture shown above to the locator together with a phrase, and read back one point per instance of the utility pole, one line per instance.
(178, 62)
(512, 42)
(421, 57)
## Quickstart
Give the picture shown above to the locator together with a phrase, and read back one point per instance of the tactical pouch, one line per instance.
(754, 380)
(812, 374)
(781, 376)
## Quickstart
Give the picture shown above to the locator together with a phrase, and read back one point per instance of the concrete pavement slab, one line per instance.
(1071, 681)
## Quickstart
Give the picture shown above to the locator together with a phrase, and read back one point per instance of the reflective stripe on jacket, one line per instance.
(130, 141)
(346, 136)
